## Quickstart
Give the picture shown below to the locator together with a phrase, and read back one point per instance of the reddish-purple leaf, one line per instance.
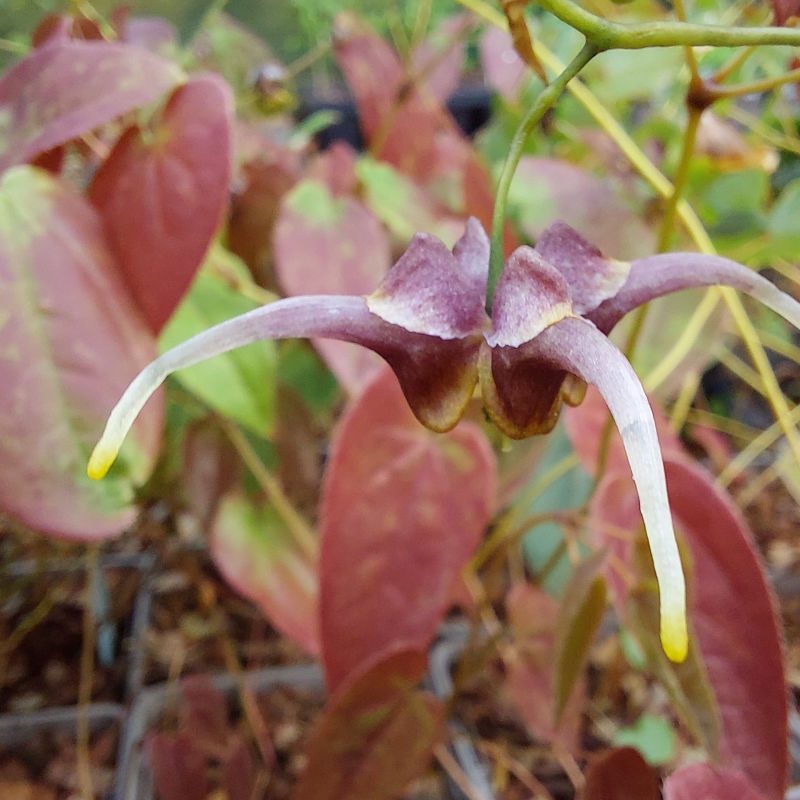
(336, 168)
(238, 771)
(376, 734)
(402, 511)
(784, 9)
(546, 190)
(707, 782)
(70, 341)
(66, 88)
(620, 774)
(530, 664)
(733, 617)
(438, 61)
(162, 193)
(263, 559)
(204, 715)
(331, 245)
(263, 182)
(179, 768)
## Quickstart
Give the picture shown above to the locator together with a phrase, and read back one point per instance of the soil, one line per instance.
(49, 603)
(42, 766)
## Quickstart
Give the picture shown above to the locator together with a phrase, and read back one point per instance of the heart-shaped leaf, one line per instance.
(70, 341)
(331, 245)
(179, 767)
(736, 651)
(407, 128)
(402, 511)
(376, 734)
(67, 88)
(259, 555)
(709, 783)
(733, 617)
(620, 774)
(162, 192)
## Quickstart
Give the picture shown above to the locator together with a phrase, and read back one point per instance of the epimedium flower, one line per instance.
(545, 339)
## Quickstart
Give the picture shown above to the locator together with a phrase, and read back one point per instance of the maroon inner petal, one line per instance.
(520, 394)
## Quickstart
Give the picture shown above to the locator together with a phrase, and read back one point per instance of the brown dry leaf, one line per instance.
(514, 11)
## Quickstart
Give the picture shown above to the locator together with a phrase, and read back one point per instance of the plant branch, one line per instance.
(717, 92)
(737, 61)
(691, 59)
(543, 103)
(607, 35)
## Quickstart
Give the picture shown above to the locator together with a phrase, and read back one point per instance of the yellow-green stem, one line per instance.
(753, 87)
(608, 35)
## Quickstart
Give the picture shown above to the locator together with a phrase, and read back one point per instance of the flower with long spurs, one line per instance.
(546, 338)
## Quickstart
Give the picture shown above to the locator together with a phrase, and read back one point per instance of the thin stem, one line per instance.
(753, 87)
(607, 35)
(691, 59)
(726, 70)
(679, 182)
(542, 104)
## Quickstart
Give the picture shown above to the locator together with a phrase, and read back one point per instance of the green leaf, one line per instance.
(239, 385)
(541, 546)
(582, 607)
(301, 370)
(783, 220)
(402, 205)
(652, 736)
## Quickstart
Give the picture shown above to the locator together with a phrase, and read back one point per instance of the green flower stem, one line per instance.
(540, 107)
(635, 36)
